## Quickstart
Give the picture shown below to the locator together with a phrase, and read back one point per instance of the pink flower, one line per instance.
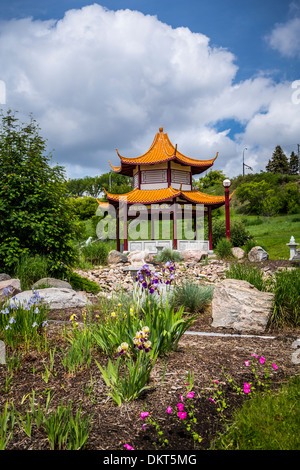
(128, 447)
(187, 384)
(262, 360)
(212, 400)
(182, 415)
(247, 387)
(169, 410)
(190, 394)
(181, 397)
(247, 363)
(180, 406)
(144, 414)
(274, 366)
(144, 426)
(255, 355)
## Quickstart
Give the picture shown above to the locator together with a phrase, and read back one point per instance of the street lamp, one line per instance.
(227, 184)
(243, 161)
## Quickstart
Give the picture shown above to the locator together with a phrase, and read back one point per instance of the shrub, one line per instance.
(238, 232)
(192, 295)
(223, 248)
(81, 283)
(168, 254)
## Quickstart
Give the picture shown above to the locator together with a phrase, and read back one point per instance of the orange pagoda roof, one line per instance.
(161, 150)
(154, 196)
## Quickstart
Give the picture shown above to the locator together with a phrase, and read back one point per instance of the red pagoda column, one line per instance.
(118, 229)
(209, 228)
(174, 228)
(226, 184)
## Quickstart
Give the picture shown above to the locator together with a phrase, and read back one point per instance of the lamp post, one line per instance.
(243, 161)
(226, 184)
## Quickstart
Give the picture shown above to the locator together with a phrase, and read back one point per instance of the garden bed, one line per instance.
(114, 426)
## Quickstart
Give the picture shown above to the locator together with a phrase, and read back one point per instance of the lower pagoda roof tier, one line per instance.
(155, 196)
(161, 150)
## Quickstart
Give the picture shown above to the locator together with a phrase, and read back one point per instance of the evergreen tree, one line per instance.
(279, 162)
(294, 164)
(34, 216)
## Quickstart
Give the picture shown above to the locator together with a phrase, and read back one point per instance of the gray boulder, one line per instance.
(240, 306)
(4, 277)
(9, 288)
(257, 254)
(193, 256)
(115, 257)
(51, 282)
(54, 298)
(238, 252)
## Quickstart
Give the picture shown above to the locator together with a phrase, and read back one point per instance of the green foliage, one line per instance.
(223, 249)
(34, 217)
(82, 283)
(277, 413)
(96, 253)
(93, 186)
(247, 272)
(193, 296)
(83, 207)
(238, 232)
(212, 178)
(167, 254)
(279, 162)
(30, 269)
(287, 298)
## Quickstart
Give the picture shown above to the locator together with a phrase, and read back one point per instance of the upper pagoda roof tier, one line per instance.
(161, 150)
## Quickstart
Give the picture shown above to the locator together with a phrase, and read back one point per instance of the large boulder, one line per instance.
(138, 258)
(54, 298)
(257, 254)
(4, 277)
(52, 282)
(193, 256)
(238, 305)
(115, 257)
(238, 252)
(9, 288)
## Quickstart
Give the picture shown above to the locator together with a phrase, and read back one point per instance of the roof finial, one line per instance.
(161, 129)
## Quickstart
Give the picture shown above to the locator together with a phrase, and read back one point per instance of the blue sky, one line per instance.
(217, 75)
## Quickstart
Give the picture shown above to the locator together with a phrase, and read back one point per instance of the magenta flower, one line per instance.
(144, 426)
(144, 414)
(180, 406)
(255, 355)
(190, 394)
(169, 410)
(247, 363)
(211, 399)
(274, 366)
(182, 415)
(262, 360)
(247, 387)
(128, 447)
(181, 397)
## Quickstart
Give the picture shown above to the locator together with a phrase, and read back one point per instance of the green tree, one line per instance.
(279, 162)
(212, 178)
(34, 218)
(294, 164)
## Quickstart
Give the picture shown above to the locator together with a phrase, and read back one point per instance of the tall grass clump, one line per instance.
(246, 272)
(30, 269)
(96, 253)
(287, 298)
(223, 249)
(193, 296)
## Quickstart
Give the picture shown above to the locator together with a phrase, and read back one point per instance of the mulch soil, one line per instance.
(208, 357)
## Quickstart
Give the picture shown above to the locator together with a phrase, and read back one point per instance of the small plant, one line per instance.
(96, 253)
(30, 269)
(223, 249)
(82, 283)
(167, 254)
(7, 421)
(193, 296)
(287, 298)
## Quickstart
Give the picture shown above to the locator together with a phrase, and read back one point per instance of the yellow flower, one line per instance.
(113, 314)
(124, 346)
(119, 305)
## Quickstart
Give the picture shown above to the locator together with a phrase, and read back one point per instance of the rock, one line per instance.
(257, 254)
(115, 257)
(9, 288)
(51, 282)
(239, 305)
(193, 256)
(138, 258)
(238, 252)
(54, 298)
(4, 277)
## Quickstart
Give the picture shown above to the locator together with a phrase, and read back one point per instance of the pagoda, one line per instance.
(161, 177)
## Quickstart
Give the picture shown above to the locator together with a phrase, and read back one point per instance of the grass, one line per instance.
(193, 296)
(266, 422)
(249, 273)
